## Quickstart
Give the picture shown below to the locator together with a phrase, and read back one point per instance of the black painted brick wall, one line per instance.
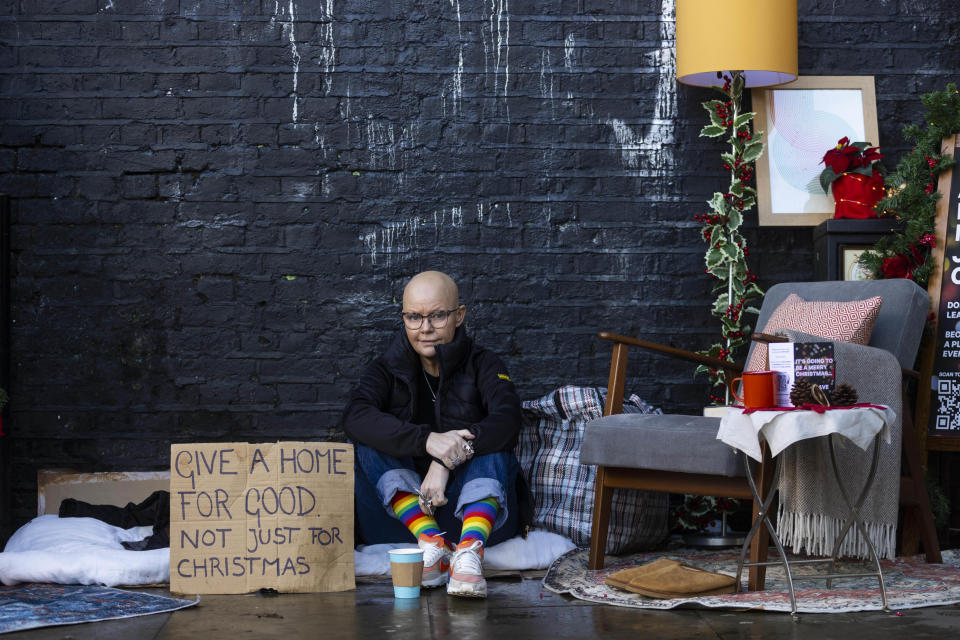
(216, 202)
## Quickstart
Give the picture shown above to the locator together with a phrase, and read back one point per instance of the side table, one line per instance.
(781, 427)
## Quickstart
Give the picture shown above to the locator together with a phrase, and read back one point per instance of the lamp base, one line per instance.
(713, 541)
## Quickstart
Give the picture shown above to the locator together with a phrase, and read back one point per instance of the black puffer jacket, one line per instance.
(475, 393)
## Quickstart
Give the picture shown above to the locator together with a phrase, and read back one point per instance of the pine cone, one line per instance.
(843, 396)
(800, 393)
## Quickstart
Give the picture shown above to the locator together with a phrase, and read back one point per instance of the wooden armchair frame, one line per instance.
(610, 478)
(913, 493)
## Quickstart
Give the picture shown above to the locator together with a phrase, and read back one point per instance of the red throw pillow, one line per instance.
(843, 321)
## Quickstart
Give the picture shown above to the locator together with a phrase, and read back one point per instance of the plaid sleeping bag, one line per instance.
(563, 489)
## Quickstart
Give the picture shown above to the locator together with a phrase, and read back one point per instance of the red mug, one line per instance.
(759, 389)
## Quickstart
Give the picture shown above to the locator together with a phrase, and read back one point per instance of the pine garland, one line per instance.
(726, 256)
(912, 194)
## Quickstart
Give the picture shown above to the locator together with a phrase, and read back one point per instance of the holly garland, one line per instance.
(727, 252)
(912, 194)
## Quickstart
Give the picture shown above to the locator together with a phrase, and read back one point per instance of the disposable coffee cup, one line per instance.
(406, 567)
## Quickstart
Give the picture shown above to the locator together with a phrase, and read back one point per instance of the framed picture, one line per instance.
(852, 270)
(837, 245)
(801, 121)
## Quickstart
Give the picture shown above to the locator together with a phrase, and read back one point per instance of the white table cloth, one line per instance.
(781, 428)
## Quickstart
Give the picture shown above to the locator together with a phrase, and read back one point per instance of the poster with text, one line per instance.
(810, 361)
(945, 381)
(245, 517)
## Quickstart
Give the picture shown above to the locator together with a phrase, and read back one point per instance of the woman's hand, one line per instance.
(450, 447)
(434, 487)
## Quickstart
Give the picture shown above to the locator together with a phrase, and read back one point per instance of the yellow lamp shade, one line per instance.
(758, 37)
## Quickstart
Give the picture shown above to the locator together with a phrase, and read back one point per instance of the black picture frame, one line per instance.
(834, 238)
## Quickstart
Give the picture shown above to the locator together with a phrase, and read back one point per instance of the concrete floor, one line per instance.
(514, 610)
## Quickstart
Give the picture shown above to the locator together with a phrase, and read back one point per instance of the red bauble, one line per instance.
(857, 195)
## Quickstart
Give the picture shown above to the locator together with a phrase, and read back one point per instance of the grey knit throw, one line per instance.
(812, 510)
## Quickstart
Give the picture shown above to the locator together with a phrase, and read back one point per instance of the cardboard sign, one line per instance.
(245, 517)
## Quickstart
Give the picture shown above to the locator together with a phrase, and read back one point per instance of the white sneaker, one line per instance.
(436, 560)
(466, 572)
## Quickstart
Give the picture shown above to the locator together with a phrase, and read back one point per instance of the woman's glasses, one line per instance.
(437, 319)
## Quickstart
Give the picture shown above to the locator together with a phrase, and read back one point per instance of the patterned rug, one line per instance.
(28, 606)
(910, 583)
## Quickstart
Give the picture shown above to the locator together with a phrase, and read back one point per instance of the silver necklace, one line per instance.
(429, 386)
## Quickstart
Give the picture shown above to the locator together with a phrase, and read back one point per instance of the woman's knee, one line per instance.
(375, 462)
(501, 465)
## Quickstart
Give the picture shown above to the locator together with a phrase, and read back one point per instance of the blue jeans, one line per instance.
(378, 477)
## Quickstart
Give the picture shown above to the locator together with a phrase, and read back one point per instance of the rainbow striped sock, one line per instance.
(407, 507)
(478, 519)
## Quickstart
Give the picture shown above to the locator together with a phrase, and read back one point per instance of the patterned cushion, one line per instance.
(549, 454)
(843, 321)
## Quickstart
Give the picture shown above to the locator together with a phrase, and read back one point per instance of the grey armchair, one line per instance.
(680, 454)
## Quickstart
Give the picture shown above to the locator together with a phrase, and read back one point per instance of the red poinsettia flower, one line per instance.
(857, 157)
(896, 267)
(871, 154)
(839, 158)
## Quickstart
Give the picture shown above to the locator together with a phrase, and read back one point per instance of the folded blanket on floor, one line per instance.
(89, 551)
(812, 510)
(154, 511)
(80, 551)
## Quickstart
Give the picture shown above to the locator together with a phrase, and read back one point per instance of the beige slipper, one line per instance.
(665, 578)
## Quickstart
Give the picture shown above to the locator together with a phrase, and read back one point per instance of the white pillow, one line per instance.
(80, 551)
(52, 533)
(537, 551)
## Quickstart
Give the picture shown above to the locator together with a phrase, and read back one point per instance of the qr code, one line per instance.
(948, 416)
